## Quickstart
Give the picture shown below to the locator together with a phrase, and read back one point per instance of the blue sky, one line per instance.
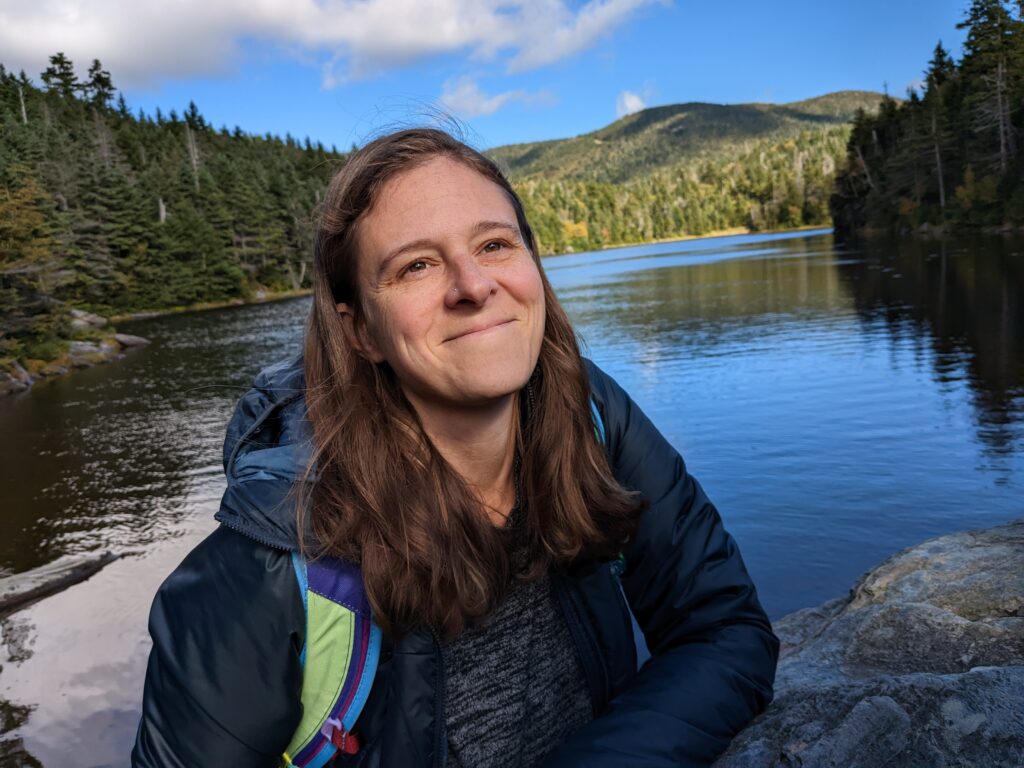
(512, 70)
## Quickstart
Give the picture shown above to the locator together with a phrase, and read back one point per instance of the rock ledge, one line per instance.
(922, 664)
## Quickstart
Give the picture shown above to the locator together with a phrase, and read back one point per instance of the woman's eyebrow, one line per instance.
(425, 242)
(484, 226)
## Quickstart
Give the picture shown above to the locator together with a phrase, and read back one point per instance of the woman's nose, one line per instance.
(470, 282)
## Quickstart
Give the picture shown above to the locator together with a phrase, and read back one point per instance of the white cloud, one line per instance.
(144, 41)
(464, 97)
(628, 102)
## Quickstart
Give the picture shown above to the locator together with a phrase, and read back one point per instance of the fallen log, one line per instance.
(22, 589)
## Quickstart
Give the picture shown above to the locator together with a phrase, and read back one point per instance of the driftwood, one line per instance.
(22, 589)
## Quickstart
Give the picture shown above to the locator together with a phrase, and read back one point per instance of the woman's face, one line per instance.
(451, 296)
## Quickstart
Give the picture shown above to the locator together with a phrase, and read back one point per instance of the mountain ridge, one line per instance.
(666, 135)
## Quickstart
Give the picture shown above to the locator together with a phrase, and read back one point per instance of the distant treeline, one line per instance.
(765, 184)
(950, 156)
(116, 212)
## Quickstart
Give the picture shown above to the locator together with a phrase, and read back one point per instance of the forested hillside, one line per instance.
(115, 212)
(767, 184)
(950, 156)
(638, 144)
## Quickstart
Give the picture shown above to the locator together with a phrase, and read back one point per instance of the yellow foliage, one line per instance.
(983, 191)
(574, 229)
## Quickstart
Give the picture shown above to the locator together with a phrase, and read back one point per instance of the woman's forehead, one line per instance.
(442, 195)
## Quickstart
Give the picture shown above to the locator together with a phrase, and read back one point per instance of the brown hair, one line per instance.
(383, 495)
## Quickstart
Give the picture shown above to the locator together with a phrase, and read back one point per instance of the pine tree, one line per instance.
(994, 72)
(99, 88)
(60, 77)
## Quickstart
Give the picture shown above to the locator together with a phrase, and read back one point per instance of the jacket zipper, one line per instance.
(255, 537)
(440, 747)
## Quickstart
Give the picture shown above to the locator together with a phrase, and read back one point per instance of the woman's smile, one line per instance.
(484, 329)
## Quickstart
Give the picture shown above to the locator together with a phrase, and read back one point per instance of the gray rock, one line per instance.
(83, 354)
(17, 379)
(127, 340)
(922, 664)
(81, 320)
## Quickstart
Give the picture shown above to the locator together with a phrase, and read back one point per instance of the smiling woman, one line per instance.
(457, 311)
(481, 511)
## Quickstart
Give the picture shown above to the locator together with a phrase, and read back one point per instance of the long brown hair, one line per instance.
(383, 495)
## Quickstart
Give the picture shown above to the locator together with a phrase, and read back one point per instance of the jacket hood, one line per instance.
(266, 451)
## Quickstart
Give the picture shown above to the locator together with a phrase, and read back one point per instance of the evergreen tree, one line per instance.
(993, 72)
(60, 77)
(951, 157)
(99, 88)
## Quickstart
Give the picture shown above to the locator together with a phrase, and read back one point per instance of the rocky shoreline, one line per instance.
(922, 664)
(100, 346)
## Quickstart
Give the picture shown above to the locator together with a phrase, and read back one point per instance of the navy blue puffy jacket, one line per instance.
(224, 676)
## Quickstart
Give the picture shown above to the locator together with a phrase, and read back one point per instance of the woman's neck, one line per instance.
(480, 445)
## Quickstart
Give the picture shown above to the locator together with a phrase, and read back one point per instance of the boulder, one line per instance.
(127, 340)
(83, 354)
(15, 379)
(82, 320)
(922, 664)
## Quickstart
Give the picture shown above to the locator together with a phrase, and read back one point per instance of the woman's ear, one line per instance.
(356, 333)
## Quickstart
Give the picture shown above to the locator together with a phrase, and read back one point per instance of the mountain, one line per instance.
(659, 137)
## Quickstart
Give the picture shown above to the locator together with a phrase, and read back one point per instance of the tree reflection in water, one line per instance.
(965, 298)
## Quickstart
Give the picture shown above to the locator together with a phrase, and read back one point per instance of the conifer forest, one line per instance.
(951, 156)
(115, 212)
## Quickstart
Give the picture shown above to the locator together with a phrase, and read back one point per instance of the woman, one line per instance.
(502, 498)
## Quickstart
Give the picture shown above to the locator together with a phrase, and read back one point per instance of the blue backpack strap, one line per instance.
(598, 421)
(339, 660)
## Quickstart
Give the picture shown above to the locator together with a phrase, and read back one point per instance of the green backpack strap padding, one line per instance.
(339, 659)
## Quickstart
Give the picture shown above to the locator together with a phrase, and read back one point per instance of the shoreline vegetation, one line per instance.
(950, 158)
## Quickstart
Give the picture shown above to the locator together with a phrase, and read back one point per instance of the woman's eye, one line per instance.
(416, 266)
(494, 246)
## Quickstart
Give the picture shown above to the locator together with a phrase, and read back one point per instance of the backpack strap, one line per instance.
(339, 659)
(598, 422)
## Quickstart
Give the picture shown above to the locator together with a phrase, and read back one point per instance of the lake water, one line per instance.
(837, 405)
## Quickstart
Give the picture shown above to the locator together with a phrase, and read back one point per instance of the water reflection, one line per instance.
(114, 457)
(964, 300)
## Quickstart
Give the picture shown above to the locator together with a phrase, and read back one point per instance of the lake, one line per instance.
(837, 403)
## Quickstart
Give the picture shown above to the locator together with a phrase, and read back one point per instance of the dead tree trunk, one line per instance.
(193, 154)
(21, 98)
(938, 163)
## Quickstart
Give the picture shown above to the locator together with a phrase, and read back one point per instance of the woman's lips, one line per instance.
(480, 329)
